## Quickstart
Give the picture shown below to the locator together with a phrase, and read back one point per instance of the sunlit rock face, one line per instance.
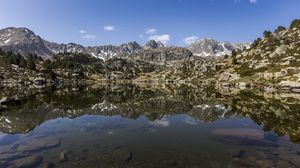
(210, 47)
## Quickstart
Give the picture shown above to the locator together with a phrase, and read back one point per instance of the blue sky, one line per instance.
(175, 22)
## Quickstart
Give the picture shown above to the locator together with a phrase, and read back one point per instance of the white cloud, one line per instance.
(141, 36)
(109, 28)
(190, 121)
(88, 36)
(151, 31)
(164, 38)
(162, 122)
(251, 1)
(82, 31)
(190, 40)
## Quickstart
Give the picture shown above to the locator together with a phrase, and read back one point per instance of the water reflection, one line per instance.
(134, 126)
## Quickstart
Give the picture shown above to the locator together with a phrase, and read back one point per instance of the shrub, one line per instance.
(256, 42)
(279, 29)
(267, 34)
(295, 24)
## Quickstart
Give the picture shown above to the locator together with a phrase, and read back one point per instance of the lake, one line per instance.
(150, 126)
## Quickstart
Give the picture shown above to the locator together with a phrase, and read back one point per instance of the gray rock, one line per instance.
(62, 157)
(34, 145)
(290, 157)
(243, 163)
(236, 153)
(265, 163)
(122, 154)
(49, 165)
(242, 137)
(27, 162)
(285, 164)
(11, 156)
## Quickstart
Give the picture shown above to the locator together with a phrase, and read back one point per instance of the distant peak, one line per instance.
(211, 47)
(152, 44)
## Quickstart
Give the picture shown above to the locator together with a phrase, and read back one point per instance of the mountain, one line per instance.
(103, 52)
(211, 47)
(25, 42)
(152, 44)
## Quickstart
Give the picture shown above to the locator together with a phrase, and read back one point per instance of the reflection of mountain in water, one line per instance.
(208, 105)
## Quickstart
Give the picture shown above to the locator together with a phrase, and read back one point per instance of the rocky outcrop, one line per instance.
(242, 137)
(211, 47)
(152, 44)
(162, 55)
(271, 60)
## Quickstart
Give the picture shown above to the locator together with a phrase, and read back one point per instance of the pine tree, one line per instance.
(267, 34)
(22, 63)
(279, 29)
(295, 24)
(31, 64)
(233, 56)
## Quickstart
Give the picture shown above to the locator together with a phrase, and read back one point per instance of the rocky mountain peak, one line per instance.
(130, 47)
(210, 47)
(23, 41)
(152, 44)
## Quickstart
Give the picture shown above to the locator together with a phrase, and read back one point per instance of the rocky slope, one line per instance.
(211, 47)
(272, 60)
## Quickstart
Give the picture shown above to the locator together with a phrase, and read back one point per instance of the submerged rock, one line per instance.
(243, 163)
(62, 157)
(265, 163)
(237, 153)
(11, 156)
(122, 154)
(242, 137)
(49, 165)
(27, 162)
(35, 145)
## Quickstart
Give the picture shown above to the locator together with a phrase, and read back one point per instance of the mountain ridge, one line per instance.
(24, 41)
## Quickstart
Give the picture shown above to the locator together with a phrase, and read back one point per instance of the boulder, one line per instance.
(9, 101)
(62, 157)
(237, 153)
(242, 137)
(122, 154)
(35, 145)
(27, 162)
(281, 50)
